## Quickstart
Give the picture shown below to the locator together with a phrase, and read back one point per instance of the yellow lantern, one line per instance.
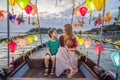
(30, 40)
(99, 4)
(117, 44)
(81, 41)
(12, 2)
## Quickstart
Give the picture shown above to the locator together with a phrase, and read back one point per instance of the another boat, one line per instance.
(32, 68)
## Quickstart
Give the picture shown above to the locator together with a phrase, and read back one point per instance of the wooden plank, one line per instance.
(51, 79)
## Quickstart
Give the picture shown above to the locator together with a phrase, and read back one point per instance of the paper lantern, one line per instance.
(117, 43)
(99, 4)
(12, 46)
(22, 42)
(35, 37)
(87, 43)
(37, 24)
(34, 10)
(28, 9)
(30, 40)
(98, 49)
(12, 2)
(22, 3)
(77, 12)
(90, 5)
(33, 23)
(81, 41)
(83, 10)
(115, 56)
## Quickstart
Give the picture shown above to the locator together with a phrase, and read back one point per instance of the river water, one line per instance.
(105, 60)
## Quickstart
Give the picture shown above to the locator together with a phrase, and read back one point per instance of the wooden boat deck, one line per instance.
(36, 73)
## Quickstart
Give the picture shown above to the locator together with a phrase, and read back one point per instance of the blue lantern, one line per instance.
(115, 56)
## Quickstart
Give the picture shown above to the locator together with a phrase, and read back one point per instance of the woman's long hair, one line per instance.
(69, 35)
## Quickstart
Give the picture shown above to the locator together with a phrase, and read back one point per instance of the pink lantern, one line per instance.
(87, 43)
(98, 49)
(28, 9)
(83, 10)
(12, 46)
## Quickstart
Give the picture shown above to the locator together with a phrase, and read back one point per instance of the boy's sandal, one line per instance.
(46, 71)
(52, 71)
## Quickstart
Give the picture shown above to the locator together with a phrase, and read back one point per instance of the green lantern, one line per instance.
(22, 3)
(35, 37)
(115, 56)
(90, 5)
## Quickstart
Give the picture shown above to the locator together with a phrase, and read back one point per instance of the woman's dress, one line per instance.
(66, 59)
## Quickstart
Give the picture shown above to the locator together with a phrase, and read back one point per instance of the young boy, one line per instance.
(52, 46)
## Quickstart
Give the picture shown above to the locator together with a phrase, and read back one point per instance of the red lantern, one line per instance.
(12, 46)
(28, 9)
(98, 49)
(83, 10)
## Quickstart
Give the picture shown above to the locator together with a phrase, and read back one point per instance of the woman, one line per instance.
(65, 57)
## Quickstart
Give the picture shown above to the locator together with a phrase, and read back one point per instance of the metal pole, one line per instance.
(101, 31)
(117, 76)
(8, 32)
(39, 26)
(72, 12)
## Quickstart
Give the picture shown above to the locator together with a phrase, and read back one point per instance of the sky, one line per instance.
(54, 16)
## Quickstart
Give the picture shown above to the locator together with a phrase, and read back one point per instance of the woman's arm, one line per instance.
(71, 49)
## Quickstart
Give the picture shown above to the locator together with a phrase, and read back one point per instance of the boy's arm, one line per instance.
(48, 50)
(47, 46)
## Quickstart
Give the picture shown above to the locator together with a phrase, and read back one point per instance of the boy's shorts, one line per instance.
(48, 54)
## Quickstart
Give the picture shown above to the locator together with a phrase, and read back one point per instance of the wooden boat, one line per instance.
(32, 68)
